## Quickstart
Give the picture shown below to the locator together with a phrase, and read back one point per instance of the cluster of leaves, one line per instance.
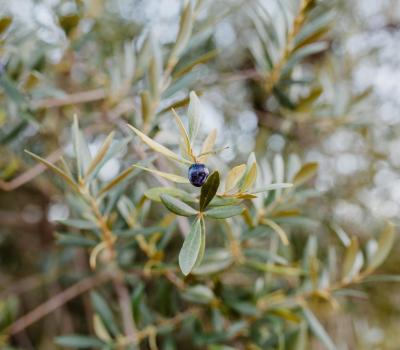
(266, 269)
(250, 219)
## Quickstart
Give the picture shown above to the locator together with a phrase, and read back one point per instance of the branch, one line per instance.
(56, 301)
(80, 97)
(126, 310)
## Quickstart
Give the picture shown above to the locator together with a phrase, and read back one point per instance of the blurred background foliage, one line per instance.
(296, 82)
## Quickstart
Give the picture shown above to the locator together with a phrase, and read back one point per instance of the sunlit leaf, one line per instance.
(208, 146)
(184, 135)
(185, 29)
(350, 259)
(158, 147)
(249, 178)
(385, 244)
(100, 154)
(57, 170)
(234, 176)
(5, 23)
(209, 190)
(194, 114)
(99, 329)
(78, 145)
(272, 187)
(168, 176)
(177, 206)
(279, 230)
(306, 172)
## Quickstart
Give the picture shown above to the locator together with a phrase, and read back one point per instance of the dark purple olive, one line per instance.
(198, 174)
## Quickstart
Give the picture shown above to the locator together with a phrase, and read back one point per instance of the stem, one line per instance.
(125, 306)
(56, 301)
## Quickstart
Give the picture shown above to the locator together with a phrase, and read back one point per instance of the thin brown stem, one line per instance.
(57, 301)
(79, 97)
(125, 306)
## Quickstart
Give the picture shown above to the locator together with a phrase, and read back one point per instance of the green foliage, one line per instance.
(249, 261)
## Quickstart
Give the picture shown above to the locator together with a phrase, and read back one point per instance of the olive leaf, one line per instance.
(249, 178)
(116, 181)
(155, 193)
(184, 135)
(209, 190)
(77, 341)
(272, 187)
(385, 244)
(318, 330)
(158, 147)
(5, 23)
(185, 30)
(194, 114)
(202, 243)
(224, 212)
(188, 256)
(306, 172)
(279, 230)
(168, 176)
(208, 146)
(350, 259)
(234, 176)
(55, 169)
(177, 206)
(100, 154)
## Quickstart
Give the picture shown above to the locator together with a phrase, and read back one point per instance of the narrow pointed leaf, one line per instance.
(306, 172)
(194, 114)
(191, 248)
(168, 176)
(234, 176)
(249, 178)
(209, 190)
(224, 212)
(272, 187)
(116, 181)
(385, 244)
(158, 147)
(202, 243)
(350, 259)
(76, 140)
(184, 135)
(279, 230)
(177, 206)
(76, 341)
(318, 329)
(100, 154)
(55, 169)
(185, 30)
(208, 146)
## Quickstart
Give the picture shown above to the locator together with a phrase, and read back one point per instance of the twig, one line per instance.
(80, 97)
(30, 174)
(56, 302)
(125, 306)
